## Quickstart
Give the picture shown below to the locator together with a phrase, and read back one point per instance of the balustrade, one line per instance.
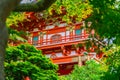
(62, 39)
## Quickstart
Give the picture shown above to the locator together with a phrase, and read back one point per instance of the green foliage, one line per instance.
(15, 35)
(14, 18)
(106, 19)
(113, 62)
(91, 71)
(26, 60)
(62, 78)
(77, 10)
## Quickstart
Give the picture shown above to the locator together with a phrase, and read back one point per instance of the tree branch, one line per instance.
(6, 6)
(34, 7)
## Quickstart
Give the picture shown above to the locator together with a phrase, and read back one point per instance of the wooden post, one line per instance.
(79, 60)
(88, 57)
(65, 35)
(47, 38)
(39, 40)
(77, 50)
(30, 40)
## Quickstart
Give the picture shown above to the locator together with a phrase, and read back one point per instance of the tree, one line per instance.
(106, 18)
(103, 13)
(25, 60)
(3, 30)
(62, 78)
(71, 10)
(6, 7)
(91, 71)
(113, 63)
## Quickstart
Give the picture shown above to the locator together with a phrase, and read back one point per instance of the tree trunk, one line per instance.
(3, 43)
(6, 6)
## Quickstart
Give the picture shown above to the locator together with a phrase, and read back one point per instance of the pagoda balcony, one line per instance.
(63, 40)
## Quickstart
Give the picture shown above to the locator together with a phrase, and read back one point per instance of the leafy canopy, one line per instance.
(106, 18)
(113, 62)
(91, 71)
(25, 60)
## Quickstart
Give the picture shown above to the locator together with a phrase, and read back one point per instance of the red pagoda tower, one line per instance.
(64, 44)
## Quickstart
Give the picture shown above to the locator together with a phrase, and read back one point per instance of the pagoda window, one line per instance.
(78, 31)
(56, 38)
(35, 40)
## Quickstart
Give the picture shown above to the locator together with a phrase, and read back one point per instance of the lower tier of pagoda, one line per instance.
(66, 64)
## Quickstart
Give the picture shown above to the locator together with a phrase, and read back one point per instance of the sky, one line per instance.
(27, 1)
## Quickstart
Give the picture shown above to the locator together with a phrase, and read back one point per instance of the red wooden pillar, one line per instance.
(65, 36)
(77, 50)
(70, 35)
(63, 50)
(84, 33)
(47, 38)
(30, 38)
(41, 40)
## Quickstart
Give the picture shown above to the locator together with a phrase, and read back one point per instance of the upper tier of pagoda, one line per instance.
(40, 20)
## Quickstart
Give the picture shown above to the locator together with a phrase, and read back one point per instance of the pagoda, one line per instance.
(64, 44)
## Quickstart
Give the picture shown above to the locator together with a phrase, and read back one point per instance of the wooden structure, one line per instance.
(63, 43)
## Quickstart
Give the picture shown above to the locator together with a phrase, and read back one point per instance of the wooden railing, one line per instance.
(63, 39)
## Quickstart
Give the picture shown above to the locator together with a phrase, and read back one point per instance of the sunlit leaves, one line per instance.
(91, 71)
(73, 9)
(14, 18)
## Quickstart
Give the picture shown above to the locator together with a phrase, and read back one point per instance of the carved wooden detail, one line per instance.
(66, 51)
(53, 55)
